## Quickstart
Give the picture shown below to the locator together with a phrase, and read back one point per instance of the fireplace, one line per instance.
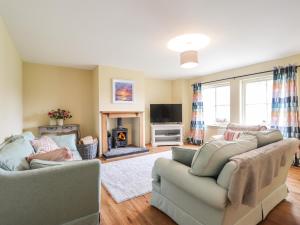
(119, 135)
(132, 134)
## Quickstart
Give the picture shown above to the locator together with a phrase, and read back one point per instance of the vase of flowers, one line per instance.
(60, 122)
(59, 116)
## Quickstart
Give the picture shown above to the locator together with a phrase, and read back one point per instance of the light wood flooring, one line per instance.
(138, 211)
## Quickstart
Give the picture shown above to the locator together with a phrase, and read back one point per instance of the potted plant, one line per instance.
(59, 115)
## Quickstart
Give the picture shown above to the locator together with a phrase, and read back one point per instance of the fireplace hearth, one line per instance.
(119, 135)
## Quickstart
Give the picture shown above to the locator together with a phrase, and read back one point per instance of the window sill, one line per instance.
(223, 126)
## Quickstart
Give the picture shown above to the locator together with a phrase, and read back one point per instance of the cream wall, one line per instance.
(106, 75)
(96, 109)
(10, 86)
(235, 84)
(181, 95)
(51, 87)
(156, 92)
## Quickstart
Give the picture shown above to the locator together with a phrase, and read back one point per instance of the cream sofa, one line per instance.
(194, 200)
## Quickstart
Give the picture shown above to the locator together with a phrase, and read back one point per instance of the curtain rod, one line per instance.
(246, 75)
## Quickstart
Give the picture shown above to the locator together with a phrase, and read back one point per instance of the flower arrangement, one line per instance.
(59, 114)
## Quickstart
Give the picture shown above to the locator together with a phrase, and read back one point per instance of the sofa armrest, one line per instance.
(52, 195)
(183, 155)
(224, 177)
(204, 188)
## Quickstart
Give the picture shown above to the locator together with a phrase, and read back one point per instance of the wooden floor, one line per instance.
(138, 211)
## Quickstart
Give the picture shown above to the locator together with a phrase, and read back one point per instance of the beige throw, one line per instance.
(256, 169)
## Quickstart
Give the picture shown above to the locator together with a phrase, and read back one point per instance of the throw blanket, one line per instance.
(256, 169)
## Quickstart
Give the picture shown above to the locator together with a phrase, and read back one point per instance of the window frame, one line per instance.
(243, 84)
(216, 85)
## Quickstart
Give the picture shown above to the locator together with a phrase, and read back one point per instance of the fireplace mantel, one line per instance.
(105, 115)
(121, 114)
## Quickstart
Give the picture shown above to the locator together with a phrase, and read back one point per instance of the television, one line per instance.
(165, 113)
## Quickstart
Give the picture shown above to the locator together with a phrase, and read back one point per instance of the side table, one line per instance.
(61, 130)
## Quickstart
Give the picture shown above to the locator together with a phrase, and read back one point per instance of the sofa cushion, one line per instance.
(68, 140)
(239, 127)
(44, 144)
(183, 155)
(28, 135)
(266, 137)
(231, 135)
(38, 163)
(212, 156)
(61, 154)
(12, 155)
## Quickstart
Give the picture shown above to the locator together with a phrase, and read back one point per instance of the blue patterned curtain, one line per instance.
(197, 123)
(285, 115)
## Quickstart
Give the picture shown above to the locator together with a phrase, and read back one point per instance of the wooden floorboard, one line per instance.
(138, 211)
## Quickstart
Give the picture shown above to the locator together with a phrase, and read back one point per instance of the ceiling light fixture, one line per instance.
(188, 46)
(189, 59)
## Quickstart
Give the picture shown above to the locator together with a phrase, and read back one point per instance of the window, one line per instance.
(216, 103)
(257, 100)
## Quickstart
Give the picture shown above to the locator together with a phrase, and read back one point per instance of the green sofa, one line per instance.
(54, 194)
(203, 200)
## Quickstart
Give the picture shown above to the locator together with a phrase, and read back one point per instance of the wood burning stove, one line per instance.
(119, 135)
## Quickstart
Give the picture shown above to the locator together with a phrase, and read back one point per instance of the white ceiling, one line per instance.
(133, 33)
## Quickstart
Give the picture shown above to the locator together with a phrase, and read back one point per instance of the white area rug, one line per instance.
(129, 178)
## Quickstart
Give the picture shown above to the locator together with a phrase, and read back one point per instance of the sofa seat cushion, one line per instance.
(212, 156)
(38, 163)
(12, 155)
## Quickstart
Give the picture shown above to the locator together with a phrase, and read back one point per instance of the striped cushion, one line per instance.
(231, 135)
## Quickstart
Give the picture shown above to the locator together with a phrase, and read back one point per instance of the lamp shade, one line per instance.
(189, 59)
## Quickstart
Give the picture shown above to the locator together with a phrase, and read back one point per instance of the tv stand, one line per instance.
(166, 134)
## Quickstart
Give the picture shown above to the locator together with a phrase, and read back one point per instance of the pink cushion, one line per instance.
(231, 135)
(44, 144)
(62, 154)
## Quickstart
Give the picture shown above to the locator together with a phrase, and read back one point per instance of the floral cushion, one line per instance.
(44, 144)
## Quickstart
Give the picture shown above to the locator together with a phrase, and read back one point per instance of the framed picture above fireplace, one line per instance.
(123, 91)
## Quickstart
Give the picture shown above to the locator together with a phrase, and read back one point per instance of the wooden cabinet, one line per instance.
(60, 130)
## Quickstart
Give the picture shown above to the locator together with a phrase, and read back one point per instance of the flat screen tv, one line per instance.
(165, 113)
